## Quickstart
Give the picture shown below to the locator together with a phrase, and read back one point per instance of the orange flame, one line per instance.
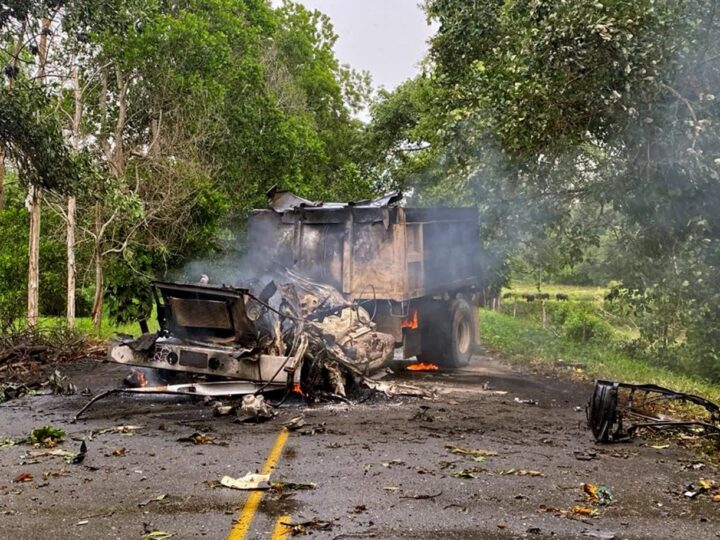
(420, 366)
(140, 377)
(297, 389)
(410, 322)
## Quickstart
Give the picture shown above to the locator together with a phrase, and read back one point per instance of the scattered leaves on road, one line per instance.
(521, 472)
(470, 452)
(597, 494)
(47, 436)
(198, 438)
(23, 477)
(151, 500)
(464, 473)
(156, 535)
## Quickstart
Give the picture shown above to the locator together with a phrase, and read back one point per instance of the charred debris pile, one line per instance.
(285, 333)
(29, 358)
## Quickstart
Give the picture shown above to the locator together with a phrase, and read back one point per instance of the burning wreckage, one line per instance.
(336, 289)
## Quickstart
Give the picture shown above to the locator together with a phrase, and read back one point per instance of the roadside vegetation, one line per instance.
(581, 338)
(586, 134)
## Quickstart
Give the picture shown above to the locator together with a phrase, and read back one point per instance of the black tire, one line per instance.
(602, 411)
(448, 335)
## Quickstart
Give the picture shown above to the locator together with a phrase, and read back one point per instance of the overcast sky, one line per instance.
(385, 37)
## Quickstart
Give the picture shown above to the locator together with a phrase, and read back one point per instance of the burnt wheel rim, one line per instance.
(463, 334)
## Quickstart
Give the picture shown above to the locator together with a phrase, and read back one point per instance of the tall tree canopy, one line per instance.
(186, 112)
(564, 120)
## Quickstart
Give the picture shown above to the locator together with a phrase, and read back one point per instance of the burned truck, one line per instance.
(330, 290)
(416, 269)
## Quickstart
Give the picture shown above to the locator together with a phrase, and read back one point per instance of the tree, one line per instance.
(609, 105)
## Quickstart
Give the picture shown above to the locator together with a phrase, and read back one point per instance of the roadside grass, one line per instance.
(108, 328)
(524, 341)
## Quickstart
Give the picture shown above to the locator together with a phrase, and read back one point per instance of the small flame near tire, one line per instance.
(421, 366)
(136, 379)
(297, 389)
(411, 321)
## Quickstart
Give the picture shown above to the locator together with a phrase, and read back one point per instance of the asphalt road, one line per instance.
(382, 468)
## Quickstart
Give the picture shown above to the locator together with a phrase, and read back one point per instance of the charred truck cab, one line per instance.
(416, 269)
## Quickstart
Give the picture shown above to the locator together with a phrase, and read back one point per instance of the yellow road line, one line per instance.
(242, 525)
(280, 531)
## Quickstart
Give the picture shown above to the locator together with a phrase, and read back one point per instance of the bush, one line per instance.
(581, 325)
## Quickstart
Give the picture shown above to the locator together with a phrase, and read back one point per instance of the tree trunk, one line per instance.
(71, 205)
(34, 257)
(99, 271)
(2, 178)
(99, 286)
(35, 202)
(71, 269)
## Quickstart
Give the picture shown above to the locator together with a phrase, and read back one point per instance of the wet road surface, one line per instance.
(382, 468)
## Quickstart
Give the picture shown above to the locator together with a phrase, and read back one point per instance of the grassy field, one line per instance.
(574, 292)
(522, 338)
(108, 328)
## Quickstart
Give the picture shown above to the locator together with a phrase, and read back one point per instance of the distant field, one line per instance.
(517, 333)
(108, 328)
(575, 292)
(523, 341)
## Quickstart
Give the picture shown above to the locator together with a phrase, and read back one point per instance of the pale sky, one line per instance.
(385, 37)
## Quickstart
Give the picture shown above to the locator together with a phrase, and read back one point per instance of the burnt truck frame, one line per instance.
(415, 269)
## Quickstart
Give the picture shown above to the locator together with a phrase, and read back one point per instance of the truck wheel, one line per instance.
(450, 339)
(461, 341)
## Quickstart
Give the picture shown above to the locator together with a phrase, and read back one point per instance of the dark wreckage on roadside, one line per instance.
(335, 289)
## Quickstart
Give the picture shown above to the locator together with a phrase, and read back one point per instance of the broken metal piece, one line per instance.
(220, 388)
(617, 410)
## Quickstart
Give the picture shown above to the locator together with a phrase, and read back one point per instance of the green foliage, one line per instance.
(32, 136)
(13, 256)
(46, 435)
(581, 325)
(524, 341)
(587, 133)
(190, 112)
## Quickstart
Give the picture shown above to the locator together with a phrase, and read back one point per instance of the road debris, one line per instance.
(527, 401)
(582, 510)
(197, 438)
(597, 494)
(616, 411)
(521, 472)
(125, 430)
(156, 534)
(46, 436)
(307, 527)
(466, 473)
(26, 353)
(78, 458)
(470, 452)
(250, 481)
(256, 408)
(702, 486)
(293, 486)
(151, 500)
(295, 423)
(597, 533)
(23, 477)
